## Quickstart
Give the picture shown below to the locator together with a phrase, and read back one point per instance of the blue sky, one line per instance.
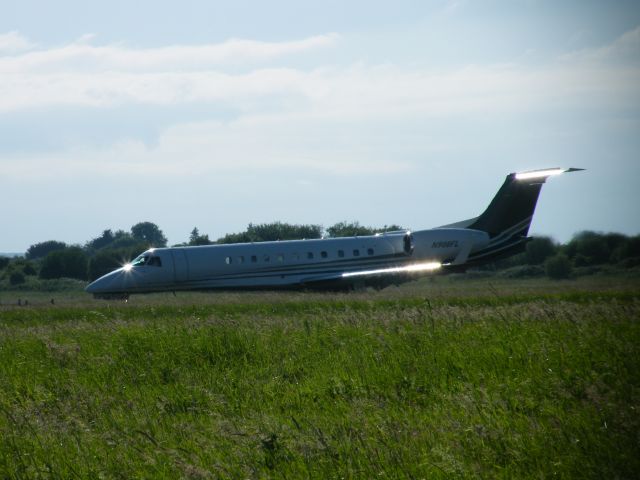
(217, 114)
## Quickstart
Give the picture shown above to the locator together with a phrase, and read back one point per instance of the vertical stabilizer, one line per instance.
(511, 210)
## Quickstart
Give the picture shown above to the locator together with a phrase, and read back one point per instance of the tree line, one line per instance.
(584, 253)
(54, 259)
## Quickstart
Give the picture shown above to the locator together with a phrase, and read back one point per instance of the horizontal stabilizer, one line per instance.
(545, 173)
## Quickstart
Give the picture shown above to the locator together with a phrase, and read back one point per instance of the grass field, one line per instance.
(437, 379)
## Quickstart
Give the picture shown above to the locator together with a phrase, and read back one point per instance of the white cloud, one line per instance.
(81, 74)
(81, 56)
(357, 91)
(13, 42)
(260, 146)
(288, 118)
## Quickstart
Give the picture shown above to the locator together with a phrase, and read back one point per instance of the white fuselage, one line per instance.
(288, 263)
(501, 230)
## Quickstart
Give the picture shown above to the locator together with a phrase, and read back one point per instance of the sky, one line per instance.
(215, 114)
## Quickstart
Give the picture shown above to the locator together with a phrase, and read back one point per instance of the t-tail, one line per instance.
(508, 216)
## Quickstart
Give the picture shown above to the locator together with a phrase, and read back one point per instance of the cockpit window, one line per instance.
(149, 260)
(140, 260)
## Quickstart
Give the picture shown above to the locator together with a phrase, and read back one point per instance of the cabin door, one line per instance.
(180, 265)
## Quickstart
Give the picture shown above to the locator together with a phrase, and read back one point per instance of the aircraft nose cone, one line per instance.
(91, 288)
(111, 282)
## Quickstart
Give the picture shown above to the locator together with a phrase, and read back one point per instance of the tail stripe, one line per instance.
(508, 233)
(498, 249)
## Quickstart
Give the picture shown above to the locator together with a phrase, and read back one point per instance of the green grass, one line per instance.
(438, 379)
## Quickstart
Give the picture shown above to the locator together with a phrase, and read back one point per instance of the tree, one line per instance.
(196, 239)
(70, 263)
(52, 266)
(615, 240)
(102, 241)
(595, 249)
(589, 248)
(109, 259)
(16, 278)
(150, 233)
(104, 262)
(40, 250)
(270, 232)
(195, 234)
(539, 249)
(558, 267)
(4, 261)
(242, 237)
(25, 266)
(354, 229)
(124, 240)
(630, 248)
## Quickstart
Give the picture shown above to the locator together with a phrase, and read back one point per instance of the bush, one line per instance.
(471, 274)
(539, 249)
(630, 248)
(579, 271)
(558, 267)
(21, 265)
(615, 240)
(595, 249)
(70, 263)
(591, 248)
(29, 269)
(630, 262)
(522, 271)
(16, 278)
(4, 261)
(581, 261)
(506, 262)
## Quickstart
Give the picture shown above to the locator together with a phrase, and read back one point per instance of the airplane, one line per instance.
(333, 263)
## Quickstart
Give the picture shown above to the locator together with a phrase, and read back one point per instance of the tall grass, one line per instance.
(513, 386)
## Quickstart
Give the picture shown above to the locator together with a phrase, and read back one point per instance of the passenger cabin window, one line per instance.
(309, 255)
(254, 259)
(240, 259)
(227, 260)
(356, 252)
(369, 251)
(265, 258)
(280, 258)
(154, 262)
(340, 253)
(323, 254)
